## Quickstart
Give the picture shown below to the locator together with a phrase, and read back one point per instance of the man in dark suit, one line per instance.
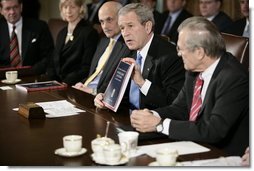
(216, 109)
(176, 13)
(158, 17)
(241, 27)
(160, 75)
(211, 10)
(34, 38)
(108, 18)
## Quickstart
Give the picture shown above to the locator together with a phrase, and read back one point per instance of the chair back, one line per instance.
(55, 25)
(238, 46)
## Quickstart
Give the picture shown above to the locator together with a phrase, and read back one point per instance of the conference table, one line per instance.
(32, 142)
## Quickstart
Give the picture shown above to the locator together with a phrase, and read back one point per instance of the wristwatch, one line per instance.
(159, 126)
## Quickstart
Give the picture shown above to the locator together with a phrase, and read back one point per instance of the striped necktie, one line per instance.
(196, 100)
(102, 62)
(14, 49)
(134, 94)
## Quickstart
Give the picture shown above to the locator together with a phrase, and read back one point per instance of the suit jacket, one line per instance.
(159, 21)
(222, 21)
(237, 28)
(71, 61)
(223, 120)
(166, 72)
(173, 33)
(37, 44)
(119, 51)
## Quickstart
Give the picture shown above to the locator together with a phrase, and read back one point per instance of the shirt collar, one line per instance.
(17, 24)
(210, 70)
(144, 50)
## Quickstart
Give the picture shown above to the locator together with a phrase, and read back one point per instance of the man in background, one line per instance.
(108, 17)
(173, 17)
(24, 42)
(241, 27)
(211, 10)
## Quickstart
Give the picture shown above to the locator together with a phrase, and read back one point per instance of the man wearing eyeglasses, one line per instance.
(213, 105)
(211, 10)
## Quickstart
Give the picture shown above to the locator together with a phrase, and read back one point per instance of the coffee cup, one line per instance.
(11, 76)
(112, 153)
(128, 141)
(166, 156)
(98, 145)
(72, 143)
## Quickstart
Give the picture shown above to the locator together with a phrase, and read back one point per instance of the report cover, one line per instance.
(41, 86)
(117, 85)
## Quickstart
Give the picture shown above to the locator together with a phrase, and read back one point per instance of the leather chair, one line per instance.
(239, 47)
(55, 25)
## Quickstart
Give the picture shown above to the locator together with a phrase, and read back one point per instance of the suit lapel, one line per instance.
(26, 36)
(152, 52)
(118, 48)
(5, 37)
(209, 88)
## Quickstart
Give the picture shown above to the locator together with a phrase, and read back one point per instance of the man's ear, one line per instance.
(149, 27)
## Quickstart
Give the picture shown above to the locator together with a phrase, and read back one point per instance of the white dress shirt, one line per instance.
(206, 76)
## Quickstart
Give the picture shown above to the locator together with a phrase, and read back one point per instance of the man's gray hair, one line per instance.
(142, 11)
(204, 34)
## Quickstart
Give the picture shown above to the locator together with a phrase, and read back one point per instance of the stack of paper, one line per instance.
(59, 108)
(183, 147)
(221, 161)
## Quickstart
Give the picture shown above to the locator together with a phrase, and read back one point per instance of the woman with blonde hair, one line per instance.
(75, 44)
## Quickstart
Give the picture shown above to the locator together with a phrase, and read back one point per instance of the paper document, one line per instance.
(183, 147)
(221, 161)
(59, 108)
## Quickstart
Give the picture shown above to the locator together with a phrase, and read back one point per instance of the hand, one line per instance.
(98, 101)
(144, 120)
(136, 74)
(246, 157)
(80, 86)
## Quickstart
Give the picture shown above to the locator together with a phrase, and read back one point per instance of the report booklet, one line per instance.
(117, 85)
(41, 86)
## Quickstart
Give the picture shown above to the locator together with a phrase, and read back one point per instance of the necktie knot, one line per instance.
(112, 42)
(139, 59)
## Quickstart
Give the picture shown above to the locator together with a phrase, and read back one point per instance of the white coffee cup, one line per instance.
(11, 76)
(166, 156)
(98, 145)
(72, 143)
(112, 153)
(128, 141)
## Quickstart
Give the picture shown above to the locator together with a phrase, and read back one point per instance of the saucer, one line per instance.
(155, 163)
(9, 82)
(123, 160)
(64, 153)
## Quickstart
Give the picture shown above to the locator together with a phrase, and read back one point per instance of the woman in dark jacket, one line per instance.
(75, 44)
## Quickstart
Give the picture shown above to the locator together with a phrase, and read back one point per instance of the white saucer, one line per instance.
(123, 160)
(155, 163)
(9, 82)
(64, 153)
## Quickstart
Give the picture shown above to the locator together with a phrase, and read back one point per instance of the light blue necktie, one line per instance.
(134, 93)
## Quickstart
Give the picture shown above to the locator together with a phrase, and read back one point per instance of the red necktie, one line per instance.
(196, 100)
(14, 49)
